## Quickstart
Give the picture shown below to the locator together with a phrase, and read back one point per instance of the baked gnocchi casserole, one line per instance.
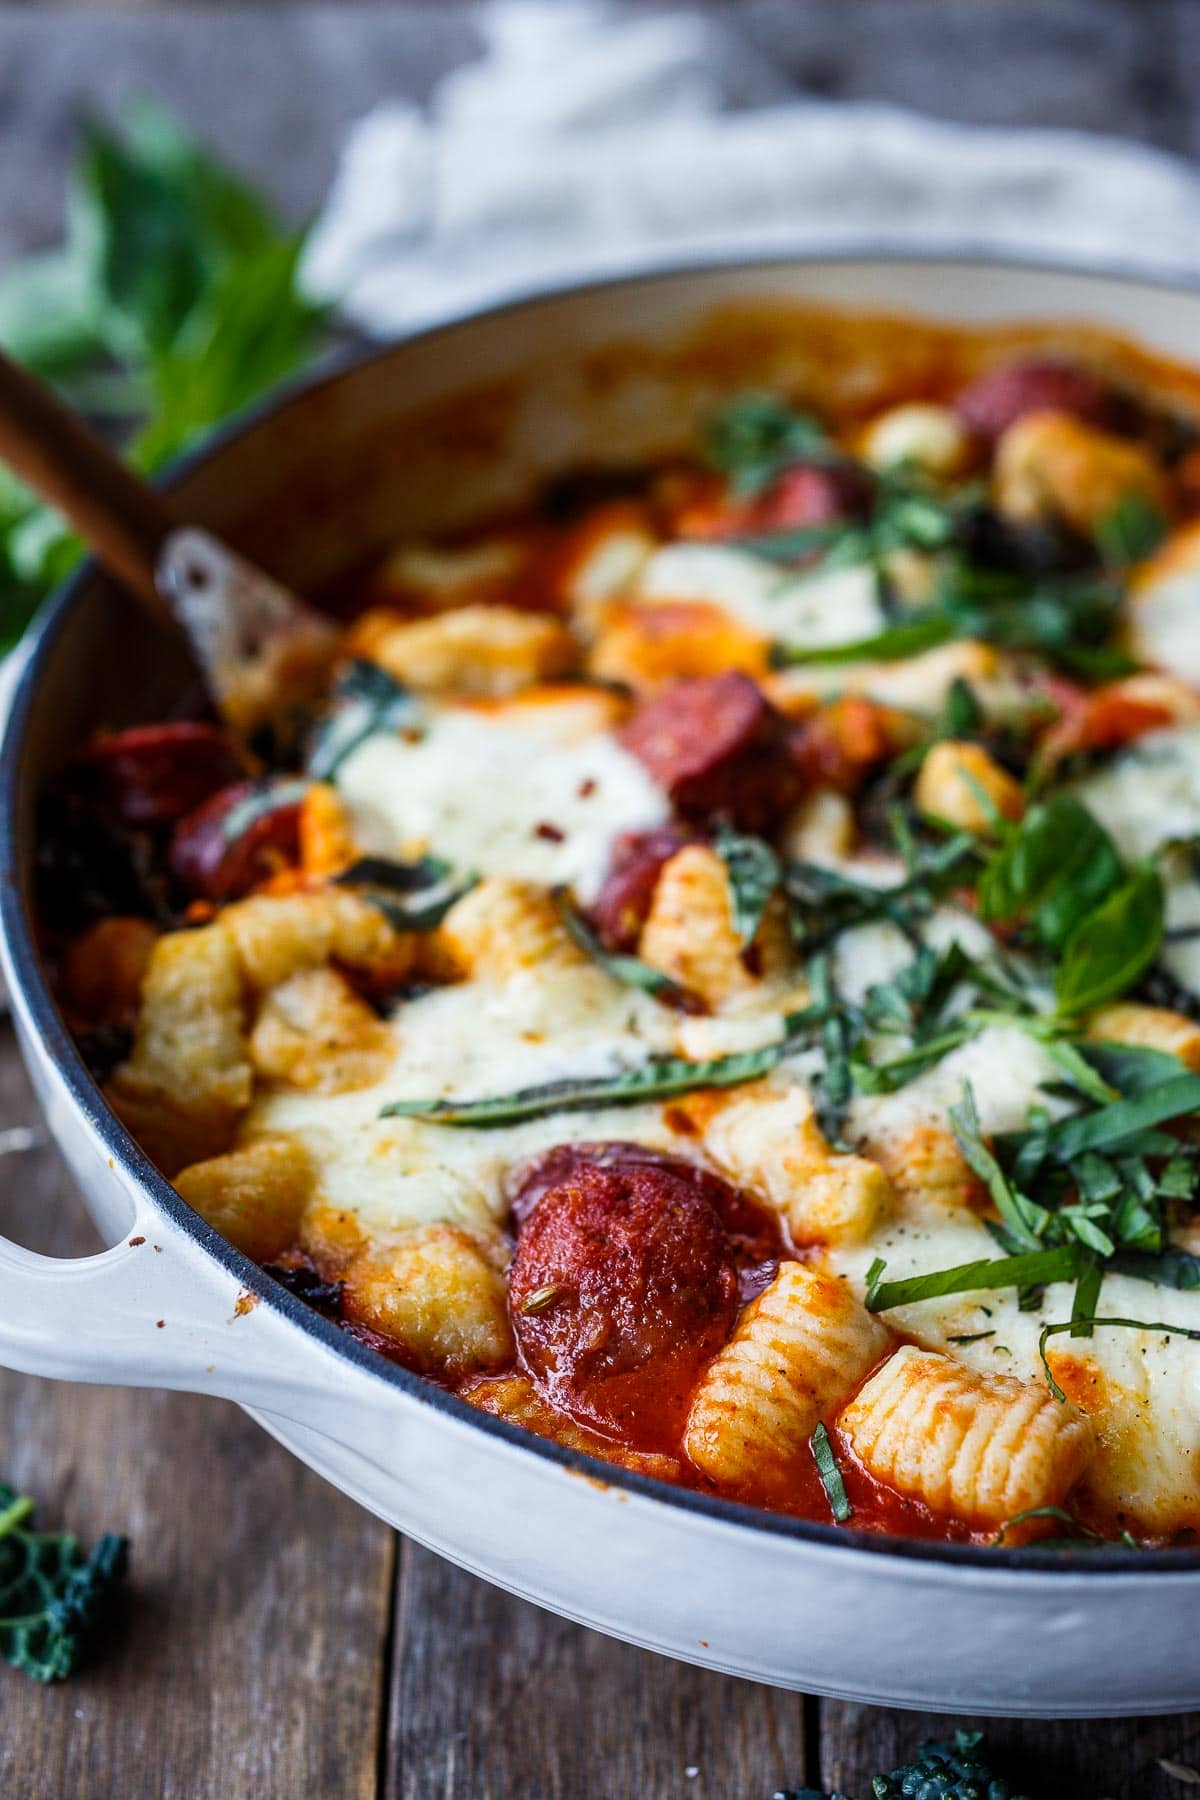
(716, 981)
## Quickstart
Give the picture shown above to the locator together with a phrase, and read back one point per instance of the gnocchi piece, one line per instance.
(254, 1196)
(648, 645)
(439, 1293)
(689, 932)
(798, 1351)
(1052, 463)
(277, 935)
(515, 1398)
(921, 435)
(503, 927)
(102, 971)
(822, 829)
(926, 1167)
(188, 1078)
(484, 649)
(314, 1032)
(326, 834)
(768, 1140)
(1148, 1028)
(981, 1448)
(962, 784)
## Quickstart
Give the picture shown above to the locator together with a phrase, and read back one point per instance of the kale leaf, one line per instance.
(53, 1597)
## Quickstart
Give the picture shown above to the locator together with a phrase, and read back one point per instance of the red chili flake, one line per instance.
(551, 833)
(587, 789)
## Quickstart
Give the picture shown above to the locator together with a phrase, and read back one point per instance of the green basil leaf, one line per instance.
(1056, 866)
(365, 700)
(1049, 1331)
(1022, 1270)
(754, 873)
(1132, 531)
(895, 643)
(1020, 1215)
(755, 437)
(659, 1078)
(630, 971)
(1114, 945)
(1167, 1268)
(830, 1474)
(412, 896)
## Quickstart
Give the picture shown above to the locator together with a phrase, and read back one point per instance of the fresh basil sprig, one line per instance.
(1028, 1268)
(755, 437)
(174, 302)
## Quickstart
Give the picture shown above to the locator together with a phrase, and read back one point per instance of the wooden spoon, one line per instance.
(258, 647)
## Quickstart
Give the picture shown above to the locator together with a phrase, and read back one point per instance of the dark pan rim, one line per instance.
(35, 995)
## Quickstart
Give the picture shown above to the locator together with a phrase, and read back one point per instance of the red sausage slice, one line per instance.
(155, 774)
(623, 903)
(719, 749)
(623, 1287)
(215, 858)
(993, 402)
(812, 494)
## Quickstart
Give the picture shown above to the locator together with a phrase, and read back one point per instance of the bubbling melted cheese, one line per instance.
(538, 791)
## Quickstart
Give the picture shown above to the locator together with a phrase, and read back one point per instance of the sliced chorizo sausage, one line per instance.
(624, 1285)
(155, 774)
(620, 908)
(718, 748)
(240, 836)
(997, 399)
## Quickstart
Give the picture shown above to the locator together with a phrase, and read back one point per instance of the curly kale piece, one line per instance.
(945, 1771)
(52, 1596)
(942, 1771)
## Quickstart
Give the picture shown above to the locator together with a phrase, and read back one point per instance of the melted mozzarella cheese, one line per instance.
(807, 611)
(1150, 793)
(471, 1041)
(540, 793)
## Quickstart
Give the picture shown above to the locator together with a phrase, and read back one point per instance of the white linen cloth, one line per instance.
(586, 139)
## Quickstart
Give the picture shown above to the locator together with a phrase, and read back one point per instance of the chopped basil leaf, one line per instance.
(659, 1078)
(754, 873)
(1024, 1219)
(1131, 531)
(630, 971)
(755, 437)
(1029, 1267)
(1049, 1331)
(413, 896)
(1054, 867)
(365, 700)
(831, 1475)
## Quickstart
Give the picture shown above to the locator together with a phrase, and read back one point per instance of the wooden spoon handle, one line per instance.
(61, 458)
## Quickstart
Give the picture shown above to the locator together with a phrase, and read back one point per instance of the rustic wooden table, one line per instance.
(277, 1641)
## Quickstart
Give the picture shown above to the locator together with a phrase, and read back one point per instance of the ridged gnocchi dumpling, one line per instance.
(979, 1447)
(799, 1350)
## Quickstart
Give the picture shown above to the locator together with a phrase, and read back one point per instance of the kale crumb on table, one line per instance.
(943, 1770)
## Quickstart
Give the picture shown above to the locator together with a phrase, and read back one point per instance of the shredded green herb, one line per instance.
(831, 1475)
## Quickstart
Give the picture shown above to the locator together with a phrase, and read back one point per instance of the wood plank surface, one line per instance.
(492, 1699)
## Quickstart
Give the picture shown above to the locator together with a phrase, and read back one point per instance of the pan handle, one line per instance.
(156, 1311)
